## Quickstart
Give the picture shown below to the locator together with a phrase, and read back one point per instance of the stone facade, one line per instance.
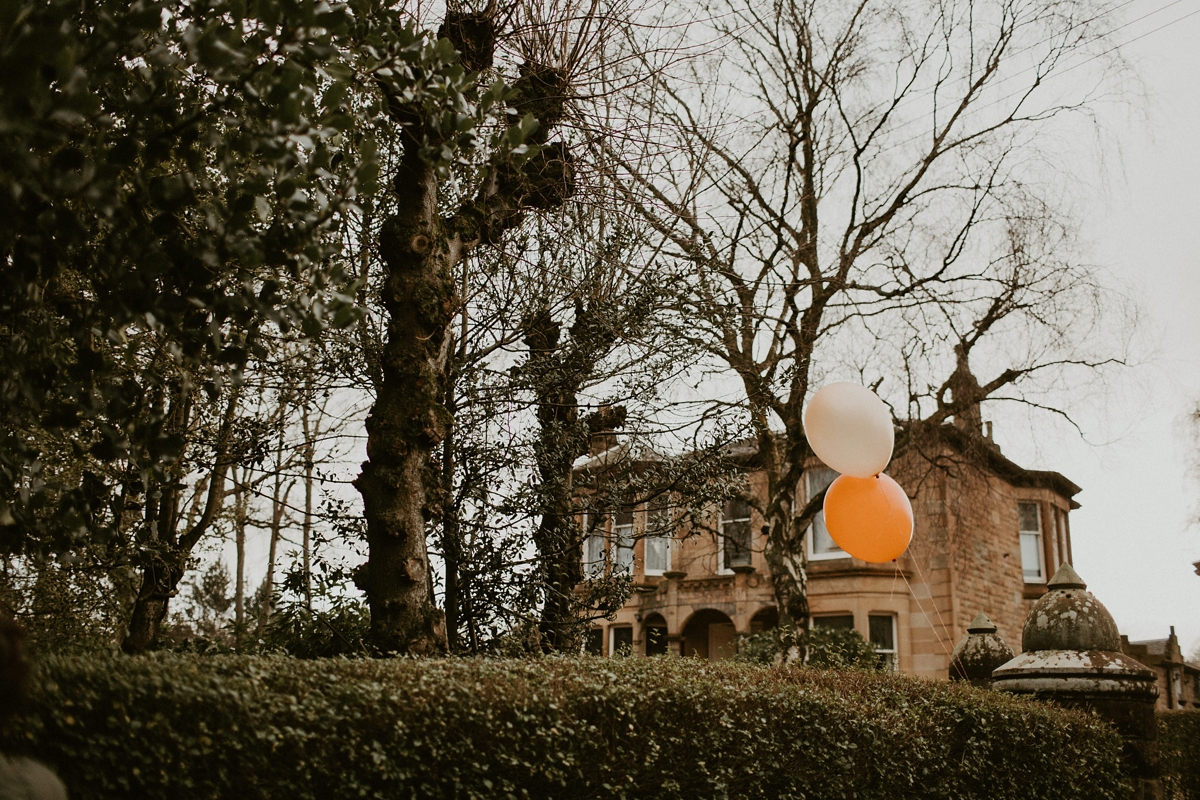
(965, 558)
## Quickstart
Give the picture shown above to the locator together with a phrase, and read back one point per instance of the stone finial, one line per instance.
(1069, 617)
(1072, 656)
(1066, 578)
(979, 652)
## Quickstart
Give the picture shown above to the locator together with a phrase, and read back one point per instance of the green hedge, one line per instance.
(181, 727)
(1179, 749)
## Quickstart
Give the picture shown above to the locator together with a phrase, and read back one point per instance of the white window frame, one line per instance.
(583, 647)
(664, 537)
(593, 568)
(893, 655)
(612, 639)
(621, 542)
(1038, 536)
(811, 534)
(721, 520)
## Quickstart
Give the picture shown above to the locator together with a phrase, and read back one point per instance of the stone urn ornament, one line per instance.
(1073, 657)
(980, 652)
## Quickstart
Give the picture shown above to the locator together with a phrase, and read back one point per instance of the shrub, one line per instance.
(272, 727)
(1179, 749)
(831, 648)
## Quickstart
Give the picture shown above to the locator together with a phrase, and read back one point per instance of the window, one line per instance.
(883, 636)
(1031, 543)
(820, 543)
(657, 542)
(735, 534)
(656, 640)
(593, 642)
(593, 548)
(841, 622)
(621, 644)
(623, 542)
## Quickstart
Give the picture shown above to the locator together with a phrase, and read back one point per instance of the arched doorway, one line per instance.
(655, 635)
(710, 635)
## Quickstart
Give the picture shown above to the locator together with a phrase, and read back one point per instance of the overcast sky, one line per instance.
(1134, 540)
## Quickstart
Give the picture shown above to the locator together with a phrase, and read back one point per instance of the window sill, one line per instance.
(828, 556)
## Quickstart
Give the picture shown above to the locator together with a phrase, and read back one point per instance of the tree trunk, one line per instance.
(786, 527)
(408, 420)
(558, 539)
(557, 372)
(309, 443)
(239, 528)
(787, 560)
(163, 568)
(279, 500)
(159, 581)
(451, 531)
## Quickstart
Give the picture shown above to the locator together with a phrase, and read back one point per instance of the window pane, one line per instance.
(822, 542)
(623, 541)
(838, 621)
(737, 543)
(817, 481)
(883, 637)
(659, 519)
(1031, 556)
(658, 553)
(593, 642)
(622, 641)
(736, 509)
(593, 555)
(1029, 517)
(624, 559)
(882, 632)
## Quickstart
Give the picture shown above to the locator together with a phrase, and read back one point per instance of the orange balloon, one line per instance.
(869, 518)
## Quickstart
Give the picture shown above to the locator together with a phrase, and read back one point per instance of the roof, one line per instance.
(745, 453)
(1154, 647)
(1011, 471)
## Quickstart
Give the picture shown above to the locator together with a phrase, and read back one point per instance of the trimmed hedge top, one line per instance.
(273, 727)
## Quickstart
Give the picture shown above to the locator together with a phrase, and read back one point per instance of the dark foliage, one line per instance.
(189, 727)
(1179, 749)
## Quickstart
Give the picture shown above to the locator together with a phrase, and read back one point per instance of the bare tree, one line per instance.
(170, 536)
(872, 189)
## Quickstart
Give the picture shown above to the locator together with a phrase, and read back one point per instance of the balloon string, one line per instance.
(921, 606)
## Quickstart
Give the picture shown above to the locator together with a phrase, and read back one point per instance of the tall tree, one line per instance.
(430, 88)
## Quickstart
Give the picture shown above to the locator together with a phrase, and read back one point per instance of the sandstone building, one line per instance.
(987, 537)
(1178, 680)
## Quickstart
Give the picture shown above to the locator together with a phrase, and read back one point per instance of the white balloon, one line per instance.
(850, 429)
